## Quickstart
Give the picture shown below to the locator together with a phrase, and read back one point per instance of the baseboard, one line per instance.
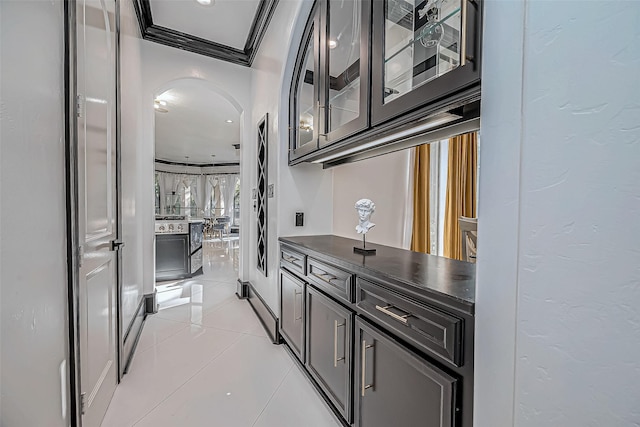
(132, 335)
(151, 304)
(265, 315)
(242, 290)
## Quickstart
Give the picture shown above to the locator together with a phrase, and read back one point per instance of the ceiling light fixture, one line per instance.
(333, 44)
(205, 2)
(159, 105)
(229, 121)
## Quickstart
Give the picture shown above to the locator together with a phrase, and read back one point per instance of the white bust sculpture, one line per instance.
(365, 208)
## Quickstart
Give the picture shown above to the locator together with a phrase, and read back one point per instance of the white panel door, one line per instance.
(97, 205)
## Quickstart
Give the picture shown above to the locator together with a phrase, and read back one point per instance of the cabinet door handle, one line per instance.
(463, 33)
(295, 296)
(335, 343)
(399, 318)
(364, 385)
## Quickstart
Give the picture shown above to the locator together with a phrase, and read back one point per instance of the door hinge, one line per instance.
(79, 106)
(83, 403)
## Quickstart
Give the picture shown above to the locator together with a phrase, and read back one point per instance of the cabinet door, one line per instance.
(395, 387)
(424, 50)
(292, 312)
(305, 92)
(329, 342)
(344, 62)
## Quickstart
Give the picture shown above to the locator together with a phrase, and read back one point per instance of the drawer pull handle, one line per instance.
(364, 385)
(292, 260)
(336, 325)
(326, 277)
(399, 318)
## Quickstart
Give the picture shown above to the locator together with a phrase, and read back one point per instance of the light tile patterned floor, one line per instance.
(205, 360)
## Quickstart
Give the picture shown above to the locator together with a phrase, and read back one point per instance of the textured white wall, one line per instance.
(131, 135)
(305, 188)
(32, 215)
(162, 65)
(558, 276)
(383, 179)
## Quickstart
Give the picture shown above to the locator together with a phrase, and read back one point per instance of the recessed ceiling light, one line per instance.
(159, 106)
(333, 44)
(205, 2)
(229, 121)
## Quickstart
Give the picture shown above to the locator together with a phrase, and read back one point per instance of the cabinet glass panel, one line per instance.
(343, 34)
(306, 98)
(422, 42)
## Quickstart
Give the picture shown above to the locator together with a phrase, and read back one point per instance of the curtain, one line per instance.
(212, 201)
(227, 190)
(461, 190)
(420, 236)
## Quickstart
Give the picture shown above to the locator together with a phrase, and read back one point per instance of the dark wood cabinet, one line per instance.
(292, 311)
(387, 340)
(395, 387)
(329, 329)
(367, 67)
(423, 51)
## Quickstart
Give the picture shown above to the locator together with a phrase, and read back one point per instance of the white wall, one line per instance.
(305, 188)
(383, 179)
(558, 297)
(32, 228)
(162, 65)
(131, 135)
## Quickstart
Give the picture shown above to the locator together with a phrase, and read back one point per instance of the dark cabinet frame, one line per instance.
(345, 408)
(452, 90)
(455, 80)
(310, 34)
(300, 352)
(449, 411)
(327, 81)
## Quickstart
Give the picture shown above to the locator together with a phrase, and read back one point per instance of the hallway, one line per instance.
(205, 360)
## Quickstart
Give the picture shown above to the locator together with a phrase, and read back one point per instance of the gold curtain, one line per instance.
(420, 239)
(461, 190)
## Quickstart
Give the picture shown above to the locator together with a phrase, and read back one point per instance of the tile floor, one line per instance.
(205, 360)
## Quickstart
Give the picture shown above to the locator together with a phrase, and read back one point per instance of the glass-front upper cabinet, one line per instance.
(424, 50)
(344, 62)
(305, 92)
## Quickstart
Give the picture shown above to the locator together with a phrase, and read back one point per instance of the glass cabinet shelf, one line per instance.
(425, 30)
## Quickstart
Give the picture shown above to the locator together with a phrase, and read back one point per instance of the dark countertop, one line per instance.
(447, 281)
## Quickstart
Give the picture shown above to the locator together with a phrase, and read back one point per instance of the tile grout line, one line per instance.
(190, 378)
(272, 395)
(184, 326)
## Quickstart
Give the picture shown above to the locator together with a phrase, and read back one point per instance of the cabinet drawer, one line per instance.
(293, 260)
(331, 279)
(426, 327)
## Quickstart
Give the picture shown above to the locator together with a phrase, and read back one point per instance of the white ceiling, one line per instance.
(195, 126)
(224, 21)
